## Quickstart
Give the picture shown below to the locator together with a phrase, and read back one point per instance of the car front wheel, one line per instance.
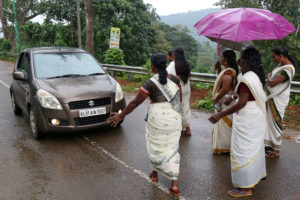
(36, 132)
(17, 110)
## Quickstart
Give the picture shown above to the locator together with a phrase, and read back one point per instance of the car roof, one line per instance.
(53, 50)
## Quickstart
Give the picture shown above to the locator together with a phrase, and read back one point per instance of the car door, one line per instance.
(22, 87)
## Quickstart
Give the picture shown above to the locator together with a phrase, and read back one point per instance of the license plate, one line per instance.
(92, 112)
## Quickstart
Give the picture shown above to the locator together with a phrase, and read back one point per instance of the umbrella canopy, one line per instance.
(244, 24)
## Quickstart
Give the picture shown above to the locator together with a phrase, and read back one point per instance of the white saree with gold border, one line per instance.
(278, 100)
(221, 138)
(248, 164)
(163, 131)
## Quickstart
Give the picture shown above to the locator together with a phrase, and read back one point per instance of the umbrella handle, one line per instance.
(219, 48)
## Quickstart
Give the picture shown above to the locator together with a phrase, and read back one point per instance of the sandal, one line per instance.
(271, 154)
(154, 179)
(238, 193)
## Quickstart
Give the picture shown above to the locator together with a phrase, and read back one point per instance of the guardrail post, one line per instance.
(112, 73)
(130, 76)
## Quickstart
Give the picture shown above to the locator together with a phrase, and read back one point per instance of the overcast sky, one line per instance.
(167, 7)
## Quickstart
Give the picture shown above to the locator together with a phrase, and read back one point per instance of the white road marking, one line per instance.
(4, 84)
(136, 171)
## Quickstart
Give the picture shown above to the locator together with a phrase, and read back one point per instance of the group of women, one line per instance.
(249, 113)
(242, 133)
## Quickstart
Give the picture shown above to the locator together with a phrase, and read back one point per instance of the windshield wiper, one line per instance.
(94, 74)
(66, 76)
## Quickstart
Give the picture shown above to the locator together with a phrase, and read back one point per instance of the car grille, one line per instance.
(80, 121)
(86, 103)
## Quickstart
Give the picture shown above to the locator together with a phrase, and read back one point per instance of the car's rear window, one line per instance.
(48, 65)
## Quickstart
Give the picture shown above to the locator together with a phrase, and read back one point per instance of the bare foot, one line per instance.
(174, 189)
(188, 131)
(153, 176)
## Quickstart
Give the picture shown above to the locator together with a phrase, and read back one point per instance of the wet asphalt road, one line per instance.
(112, 163)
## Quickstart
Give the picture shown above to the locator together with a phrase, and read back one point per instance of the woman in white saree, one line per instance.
(248, 165)
(164, 121)
(181, 68)
(224, 86)
(278, 91)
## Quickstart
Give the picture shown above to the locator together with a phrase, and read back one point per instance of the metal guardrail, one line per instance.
(197, 77)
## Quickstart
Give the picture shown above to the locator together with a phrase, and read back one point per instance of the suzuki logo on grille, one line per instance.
(91, 103)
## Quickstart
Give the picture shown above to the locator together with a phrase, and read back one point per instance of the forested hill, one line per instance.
(188, 19)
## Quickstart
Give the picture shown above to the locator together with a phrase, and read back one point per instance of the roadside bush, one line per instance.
(295, 99)
(114, 56)
(206, 104)
(204, 86)
(5, 45)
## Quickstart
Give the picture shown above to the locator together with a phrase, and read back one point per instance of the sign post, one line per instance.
(114, 38)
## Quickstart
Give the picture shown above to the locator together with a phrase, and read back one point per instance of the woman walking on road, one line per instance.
(224, 86)
(278, 91)
(163, 121)
(248, 164)
(182, 70)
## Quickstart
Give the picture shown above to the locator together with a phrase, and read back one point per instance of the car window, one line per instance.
(47, 65)
(24, 63)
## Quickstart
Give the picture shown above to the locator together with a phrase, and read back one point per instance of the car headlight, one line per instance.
(47, 100)
(119, 93)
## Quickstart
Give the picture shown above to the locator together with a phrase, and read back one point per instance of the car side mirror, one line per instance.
(20, 76)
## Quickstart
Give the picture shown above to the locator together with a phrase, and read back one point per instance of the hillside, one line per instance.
(189, 19)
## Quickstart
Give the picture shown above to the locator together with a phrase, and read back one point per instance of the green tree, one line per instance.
(26, 10)
(47, 34)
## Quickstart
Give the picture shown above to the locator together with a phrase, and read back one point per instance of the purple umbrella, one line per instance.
(243, 24)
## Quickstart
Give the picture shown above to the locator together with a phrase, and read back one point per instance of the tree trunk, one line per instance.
(89, 45)
(3, 21)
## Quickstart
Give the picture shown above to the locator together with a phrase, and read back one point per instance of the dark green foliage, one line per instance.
(47, 34)
(206, 104)
(134, 20)
(295, 99)
(5, 45)
(114, 56)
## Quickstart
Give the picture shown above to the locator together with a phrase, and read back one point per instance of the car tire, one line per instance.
(36, 132)
(17, 110)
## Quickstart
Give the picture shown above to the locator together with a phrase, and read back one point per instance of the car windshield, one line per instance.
(56, 65)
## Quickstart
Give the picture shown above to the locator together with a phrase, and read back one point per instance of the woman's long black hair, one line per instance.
(159, 60)
(230, 56)
(279, 50)
(253, 59)
(182, 67)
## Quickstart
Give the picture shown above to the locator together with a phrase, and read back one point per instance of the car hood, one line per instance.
(79, 88)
